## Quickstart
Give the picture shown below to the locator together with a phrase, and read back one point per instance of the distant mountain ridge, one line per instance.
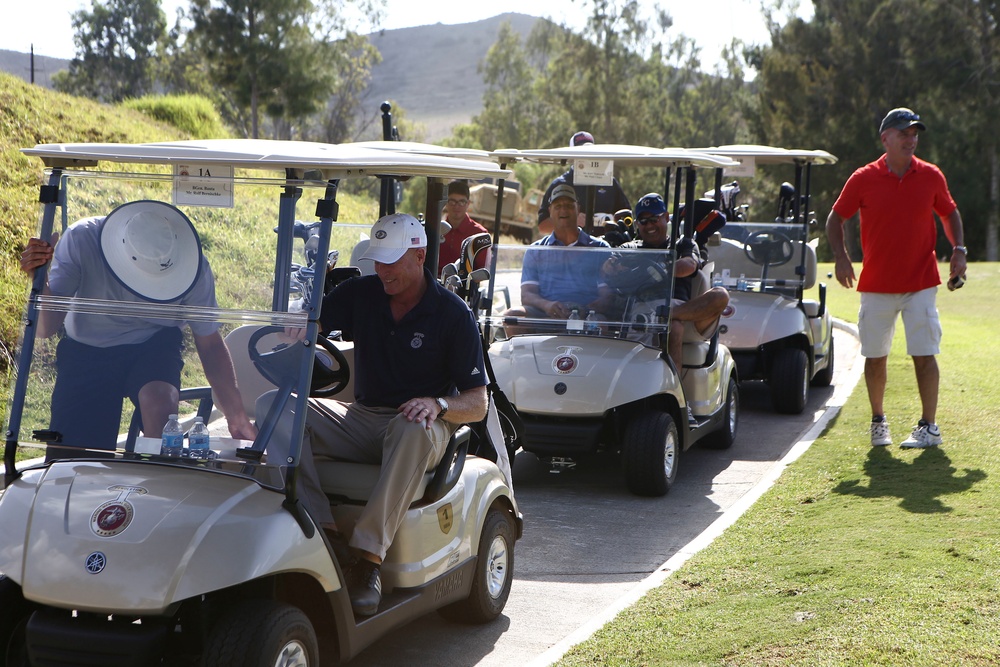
(430, 71)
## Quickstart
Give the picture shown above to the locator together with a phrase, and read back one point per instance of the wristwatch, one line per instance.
(961, 249)
(443, 404)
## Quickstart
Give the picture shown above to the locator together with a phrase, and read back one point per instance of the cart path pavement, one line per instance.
(591, 549)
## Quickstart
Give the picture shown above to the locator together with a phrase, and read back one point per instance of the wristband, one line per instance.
(960, 248)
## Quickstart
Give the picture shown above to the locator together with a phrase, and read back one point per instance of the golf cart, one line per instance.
(113, 553)
(775, 333)
(602, 380)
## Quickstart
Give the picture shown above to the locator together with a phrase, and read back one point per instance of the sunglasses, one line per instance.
(648, 220)
(908, 116)
(458, 202)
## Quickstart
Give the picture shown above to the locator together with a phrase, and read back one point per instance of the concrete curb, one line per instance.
(728, 518)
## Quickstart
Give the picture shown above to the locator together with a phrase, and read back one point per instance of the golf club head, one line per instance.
(479, 275)
(453, 283)
(449, 270)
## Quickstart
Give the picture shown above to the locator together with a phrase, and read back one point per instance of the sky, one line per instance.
(711, 23)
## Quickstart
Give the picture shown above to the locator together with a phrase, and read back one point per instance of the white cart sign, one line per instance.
(747, 167)
(203, 185)
(593, 172)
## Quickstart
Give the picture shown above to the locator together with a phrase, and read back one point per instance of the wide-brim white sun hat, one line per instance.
(392, 236)
(152, 249)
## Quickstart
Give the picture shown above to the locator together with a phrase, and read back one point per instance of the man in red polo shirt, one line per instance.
(462, 226)
(898, 195)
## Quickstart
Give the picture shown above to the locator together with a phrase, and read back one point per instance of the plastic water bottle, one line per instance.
(574, 323)
(741, 284)
(591, 327)
(198, 440)
(172, 443)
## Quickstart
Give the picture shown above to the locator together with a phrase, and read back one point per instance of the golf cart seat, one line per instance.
(355, 482)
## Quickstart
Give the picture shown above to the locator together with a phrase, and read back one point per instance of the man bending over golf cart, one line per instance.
(692, 319)
(142, 251)
(554, 284)
(419, 375)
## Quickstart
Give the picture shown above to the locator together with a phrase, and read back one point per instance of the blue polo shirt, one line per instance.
(570, 276)
(435, 350)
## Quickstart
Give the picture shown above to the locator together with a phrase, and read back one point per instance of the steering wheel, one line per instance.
(280, 365)
(638, 272)
(327, 379)
(768, 248)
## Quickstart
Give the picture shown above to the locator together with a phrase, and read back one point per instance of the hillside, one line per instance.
(431, 71)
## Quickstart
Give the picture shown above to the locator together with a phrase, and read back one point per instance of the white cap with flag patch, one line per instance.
(392, 236)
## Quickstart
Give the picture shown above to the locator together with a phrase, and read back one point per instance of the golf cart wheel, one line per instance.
(14, 613)
(824, 377)
(262, 633)
(493, 574)
(650, 454)
(789, 381)
(725, 436)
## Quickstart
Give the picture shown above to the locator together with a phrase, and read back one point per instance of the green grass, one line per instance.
(857, 555)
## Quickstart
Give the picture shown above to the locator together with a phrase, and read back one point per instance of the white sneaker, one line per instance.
(924, 435)
(880, 433)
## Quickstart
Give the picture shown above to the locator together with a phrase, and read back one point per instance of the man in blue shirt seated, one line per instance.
(419, 375)
(554, 284)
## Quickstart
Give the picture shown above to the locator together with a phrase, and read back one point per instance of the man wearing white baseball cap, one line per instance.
(142, 251)
(419, 374)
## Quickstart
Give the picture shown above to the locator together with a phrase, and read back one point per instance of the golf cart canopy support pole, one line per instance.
(493, 254)
(49, 194)
(286, 238)
(432, 221)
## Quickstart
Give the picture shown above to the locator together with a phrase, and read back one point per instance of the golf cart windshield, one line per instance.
(612, 292)
(263, 217)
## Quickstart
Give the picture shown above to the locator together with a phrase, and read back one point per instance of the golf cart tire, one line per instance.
(825, 376)
(14, 612)
(493, 574)
(725, 436)
(650, 454)
(262, 633)
(789, 381)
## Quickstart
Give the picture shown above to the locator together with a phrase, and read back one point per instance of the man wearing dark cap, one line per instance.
(462, 226)
(898, 195)
(693, 317)
(607, 199)
(554, 284)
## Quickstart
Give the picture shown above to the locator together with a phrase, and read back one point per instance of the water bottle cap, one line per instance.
(171, 416)
(198, 419)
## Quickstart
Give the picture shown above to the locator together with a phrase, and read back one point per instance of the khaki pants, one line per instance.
(352, 432)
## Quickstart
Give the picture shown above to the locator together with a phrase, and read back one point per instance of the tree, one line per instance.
(839, 74)
(272, 57)
(116, 45)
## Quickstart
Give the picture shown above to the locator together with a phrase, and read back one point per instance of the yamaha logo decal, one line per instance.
(96, 562)
(114, 516)
(566, 362)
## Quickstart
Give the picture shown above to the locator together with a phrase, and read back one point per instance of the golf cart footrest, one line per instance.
(558, 437)
(56, 638)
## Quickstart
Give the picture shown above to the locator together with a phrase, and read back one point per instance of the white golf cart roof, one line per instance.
(770, 154)
(334, 160)
(425, 149)
(622, 154)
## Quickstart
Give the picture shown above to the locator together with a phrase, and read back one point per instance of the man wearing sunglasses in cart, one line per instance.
(691, 319)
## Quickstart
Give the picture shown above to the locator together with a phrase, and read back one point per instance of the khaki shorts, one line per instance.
(877, 322)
